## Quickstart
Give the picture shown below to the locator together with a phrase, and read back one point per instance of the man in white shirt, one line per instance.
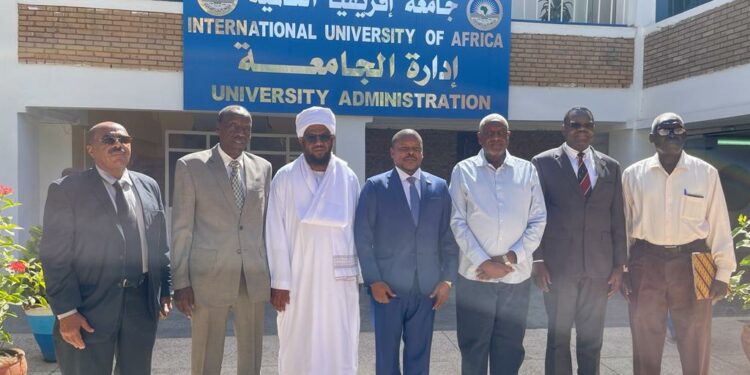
(674, 206)
(498, 219)
(311, 254)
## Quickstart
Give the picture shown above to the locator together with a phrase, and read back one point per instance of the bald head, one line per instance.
(493, 118)
(666, 119)
(102, 128)
(108, 144)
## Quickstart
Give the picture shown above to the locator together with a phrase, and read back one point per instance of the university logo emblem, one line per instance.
(484, 15)
(218, 8)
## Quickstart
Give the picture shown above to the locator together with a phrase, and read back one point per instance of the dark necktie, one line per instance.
(413, 199)
(133, 268)
(583, 176)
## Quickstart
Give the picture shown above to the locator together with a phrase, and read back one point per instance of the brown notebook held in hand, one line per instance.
(704, 271)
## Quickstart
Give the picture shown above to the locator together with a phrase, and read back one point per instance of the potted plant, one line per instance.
(12, 360)
(740, 282)
(23, 277)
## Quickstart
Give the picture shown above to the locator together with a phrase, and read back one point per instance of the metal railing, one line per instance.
(598, 12)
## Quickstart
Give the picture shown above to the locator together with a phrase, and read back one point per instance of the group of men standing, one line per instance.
(240, 238)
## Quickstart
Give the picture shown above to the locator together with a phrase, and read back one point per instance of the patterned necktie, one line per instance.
(583, 176)
(234, 179)
(129, 224)
(413, 199)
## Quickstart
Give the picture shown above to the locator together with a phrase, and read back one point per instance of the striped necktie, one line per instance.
(584, 181)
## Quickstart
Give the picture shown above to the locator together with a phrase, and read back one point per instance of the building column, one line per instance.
(629, 146)
(350, 142)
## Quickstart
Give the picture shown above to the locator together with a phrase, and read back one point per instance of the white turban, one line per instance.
(315, 116)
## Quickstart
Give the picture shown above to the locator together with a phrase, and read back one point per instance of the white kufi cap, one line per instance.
(315, 116)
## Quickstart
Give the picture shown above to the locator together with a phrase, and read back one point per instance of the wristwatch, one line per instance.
(506, 260)
(450, 284)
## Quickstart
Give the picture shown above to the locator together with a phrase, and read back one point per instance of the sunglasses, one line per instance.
(676, 131)
(312, 138)
(578, 125)
(110, 139)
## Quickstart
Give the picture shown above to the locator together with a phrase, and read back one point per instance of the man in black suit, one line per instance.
(104, 255)
(580, 261)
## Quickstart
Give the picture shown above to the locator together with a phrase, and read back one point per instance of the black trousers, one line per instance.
(491, 325)
(583, 301)
(131, 346)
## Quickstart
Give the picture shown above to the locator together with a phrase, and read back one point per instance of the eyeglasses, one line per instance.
(109, 139)
(578, 125)
(312, 138)
(676, 131)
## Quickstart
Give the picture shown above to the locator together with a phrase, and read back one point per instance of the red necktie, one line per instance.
(583, 176)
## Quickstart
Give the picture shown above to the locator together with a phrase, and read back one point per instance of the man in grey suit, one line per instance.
(218, 252)
(579, 263)
(104, 255)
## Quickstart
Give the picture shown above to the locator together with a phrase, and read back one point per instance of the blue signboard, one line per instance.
(414, 58)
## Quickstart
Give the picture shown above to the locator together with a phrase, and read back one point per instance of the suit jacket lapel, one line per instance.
(567, 171)
(249, 178)
(602, 172)
(100, 192)
(600, 165)
(425, 192)
(399, 195)
(145, 198)
(216, 165)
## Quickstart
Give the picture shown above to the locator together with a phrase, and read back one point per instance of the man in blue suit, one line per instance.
(408, 255)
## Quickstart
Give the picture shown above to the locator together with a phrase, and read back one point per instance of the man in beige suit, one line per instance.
(218, 253)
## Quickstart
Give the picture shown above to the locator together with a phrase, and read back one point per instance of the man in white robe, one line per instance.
(311, 254)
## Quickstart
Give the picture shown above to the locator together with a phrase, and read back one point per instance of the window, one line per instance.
(669, 8)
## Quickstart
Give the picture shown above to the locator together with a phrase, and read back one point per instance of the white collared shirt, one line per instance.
(403, 176)
(678, 208)
(496, 211)
(588, 160)
(228, 159)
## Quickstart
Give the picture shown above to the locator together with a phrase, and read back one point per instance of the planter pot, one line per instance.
(13, 362)
(42, 320)
(746, 340)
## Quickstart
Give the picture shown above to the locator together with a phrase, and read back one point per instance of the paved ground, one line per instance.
(172, 352)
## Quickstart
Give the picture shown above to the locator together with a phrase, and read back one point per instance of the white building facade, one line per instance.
(68, 64)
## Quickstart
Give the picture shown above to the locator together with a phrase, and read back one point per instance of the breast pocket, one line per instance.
(693, 208)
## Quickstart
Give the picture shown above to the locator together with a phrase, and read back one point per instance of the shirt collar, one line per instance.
(109, 179)
(653, 162)
(573, 153)
(226, 158)
(509, 160)
(403, 175)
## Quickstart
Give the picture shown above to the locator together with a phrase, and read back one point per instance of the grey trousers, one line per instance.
(209, 324)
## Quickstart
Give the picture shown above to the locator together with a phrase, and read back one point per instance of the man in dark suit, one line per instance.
(104, 255)
(408, 255)
(579, 263)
